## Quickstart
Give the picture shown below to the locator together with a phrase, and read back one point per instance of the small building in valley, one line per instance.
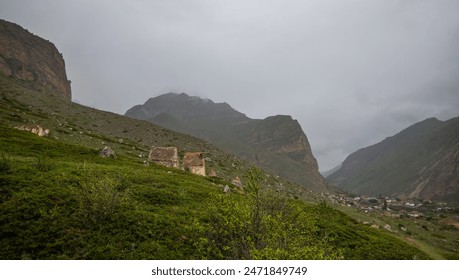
(194, 163)
(165, 156)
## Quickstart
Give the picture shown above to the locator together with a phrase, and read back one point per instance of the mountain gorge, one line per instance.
(421, 161)
(277, 143)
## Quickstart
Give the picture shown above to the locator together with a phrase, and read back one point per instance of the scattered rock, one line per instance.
(107, 152)
(35, 129)
(226, 189)
(237, 181)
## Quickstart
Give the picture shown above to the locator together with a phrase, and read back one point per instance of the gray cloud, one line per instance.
(352, 72)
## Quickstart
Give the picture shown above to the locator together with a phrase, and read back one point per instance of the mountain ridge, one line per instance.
(420, 161)
(276, 143)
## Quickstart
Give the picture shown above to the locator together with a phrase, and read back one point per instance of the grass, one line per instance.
(61, 201)
(429, 235)
(77, 124)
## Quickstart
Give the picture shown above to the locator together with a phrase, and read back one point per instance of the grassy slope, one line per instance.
(74, 123)
(61, 200)
(438, 239)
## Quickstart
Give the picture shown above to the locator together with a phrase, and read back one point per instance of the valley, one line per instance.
(60, 199)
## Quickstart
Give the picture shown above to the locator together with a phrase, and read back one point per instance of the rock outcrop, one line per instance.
(107, 152)
(25, 56)
(290, 151)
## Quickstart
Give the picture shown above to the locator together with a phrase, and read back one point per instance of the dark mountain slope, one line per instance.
(421, 161)
(277, 143)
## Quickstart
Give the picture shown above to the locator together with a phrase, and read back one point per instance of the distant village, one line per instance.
(394, 207)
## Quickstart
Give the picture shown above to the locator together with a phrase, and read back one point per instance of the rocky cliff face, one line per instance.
(277, 144)
(27, 57)
(421, 161)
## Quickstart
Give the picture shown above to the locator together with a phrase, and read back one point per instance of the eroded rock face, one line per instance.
(27, 57)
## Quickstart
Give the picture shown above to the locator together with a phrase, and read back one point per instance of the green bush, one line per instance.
(261, 225)
(99, 198)
(5, 163)
(43, 164)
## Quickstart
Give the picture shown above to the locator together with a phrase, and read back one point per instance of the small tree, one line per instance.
(261, 225)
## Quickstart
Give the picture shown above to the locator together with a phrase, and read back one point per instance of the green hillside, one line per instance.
(62, 201)
(59, 199)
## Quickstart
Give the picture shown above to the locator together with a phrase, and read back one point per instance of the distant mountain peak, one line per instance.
(276, 143)
(185, 108)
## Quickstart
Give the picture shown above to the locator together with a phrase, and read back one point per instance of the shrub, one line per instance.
(43, 164)
(99, 198)
(5, 163)
(260, 225)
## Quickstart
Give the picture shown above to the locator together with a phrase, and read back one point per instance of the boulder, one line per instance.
(107, 152)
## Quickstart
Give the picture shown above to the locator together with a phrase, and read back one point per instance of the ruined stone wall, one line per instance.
(194, 163)
(165, 156)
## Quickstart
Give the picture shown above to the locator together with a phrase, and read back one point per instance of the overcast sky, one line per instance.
(351, 72)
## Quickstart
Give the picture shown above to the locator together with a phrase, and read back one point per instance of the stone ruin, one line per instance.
(165, 156)
(195, 163)
(213, 173)
(35, 129)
